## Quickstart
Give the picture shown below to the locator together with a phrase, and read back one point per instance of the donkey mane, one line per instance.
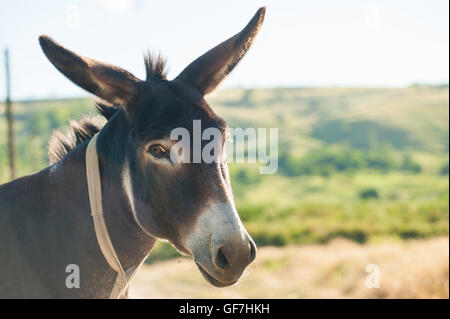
(84, 129)
(81, 130)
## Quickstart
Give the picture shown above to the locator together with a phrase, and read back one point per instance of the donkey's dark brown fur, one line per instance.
(45, 218)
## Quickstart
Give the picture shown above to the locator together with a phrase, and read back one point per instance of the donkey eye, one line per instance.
(157, 151)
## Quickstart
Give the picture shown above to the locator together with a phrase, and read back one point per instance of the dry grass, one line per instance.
(408, 269)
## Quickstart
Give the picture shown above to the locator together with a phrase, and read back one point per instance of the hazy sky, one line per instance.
(302, 43)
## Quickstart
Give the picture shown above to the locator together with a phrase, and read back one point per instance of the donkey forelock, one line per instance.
(155, 66)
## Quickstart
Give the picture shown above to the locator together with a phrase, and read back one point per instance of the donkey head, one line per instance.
(188, 203)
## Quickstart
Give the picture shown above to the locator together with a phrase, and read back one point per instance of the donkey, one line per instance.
(46, 227)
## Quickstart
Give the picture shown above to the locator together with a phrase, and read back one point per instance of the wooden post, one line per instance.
(10, 120)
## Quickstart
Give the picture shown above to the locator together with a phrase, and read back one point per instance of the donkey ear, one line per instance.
(108, 82)
(206, 73)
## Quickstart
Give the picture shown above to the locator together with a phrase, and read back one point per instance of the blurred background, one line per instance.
(358, 91)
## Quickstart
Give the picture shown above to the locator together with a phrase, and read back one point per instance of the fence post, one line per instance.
(9, 119)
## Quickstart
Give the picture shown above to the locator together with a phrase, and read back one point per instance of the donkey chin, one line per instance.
(220, 245)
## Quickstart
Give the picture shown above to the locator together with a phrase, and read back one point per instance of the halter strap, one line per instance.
(101, 231)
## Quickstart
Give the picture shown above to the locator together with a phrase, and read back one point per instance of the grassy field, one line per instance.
(362, 164)
(315, 209)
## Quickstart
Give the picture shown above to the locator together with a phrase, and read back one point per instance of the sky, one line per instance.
(364, 43)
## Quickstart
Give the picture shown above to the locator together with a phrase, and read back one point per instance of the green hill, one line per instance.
(409, 118)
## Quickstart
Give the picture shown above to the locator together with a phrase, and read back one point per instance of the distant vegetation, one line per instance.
(363, 134)
(369, 193)
(364, 164)
(329, 160)
(426, 85)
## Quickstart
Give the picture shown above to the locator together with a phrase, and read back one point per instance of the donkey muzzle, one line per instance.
(221, 246)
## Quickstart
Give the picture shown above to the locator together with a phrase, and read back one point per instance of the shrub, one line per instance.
(369, 193)
(444, 170)
(409, 165)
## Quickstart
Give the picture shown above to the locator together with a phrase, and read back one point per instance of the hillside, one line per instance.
(365, 164)
(409, 119)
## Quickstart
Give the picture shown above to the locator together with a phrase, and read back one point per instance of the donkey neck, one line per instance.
(131, 243)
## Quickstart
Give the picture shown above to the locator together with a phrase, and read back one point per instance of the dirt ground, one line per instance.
(408, 269)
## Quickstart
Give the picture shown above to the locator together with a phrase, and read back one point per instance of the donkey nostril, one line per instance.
(252, 250)
(221, 260)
